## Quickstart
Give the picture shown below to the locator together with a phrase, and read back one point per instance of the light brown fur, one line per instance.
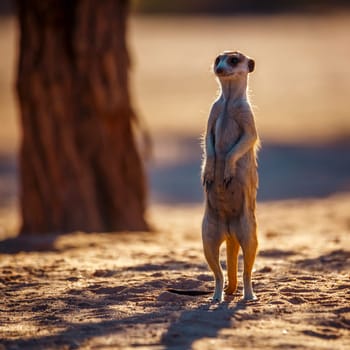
(229, 175)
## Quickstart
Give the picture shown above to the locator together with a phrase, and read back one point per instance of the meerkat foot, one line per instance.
(229, 290)
(217, 298)
(250, 297)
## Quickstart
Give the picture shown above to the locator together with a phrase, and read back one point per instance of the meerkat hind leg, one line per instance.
(249, 248)
(248, 241)
(232, 249)
(212, 240)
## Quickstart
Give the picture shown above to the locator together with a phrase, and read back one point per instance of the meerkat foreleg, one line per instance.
(208, 171)
(208, 168)
(208, 165)
(245, 143)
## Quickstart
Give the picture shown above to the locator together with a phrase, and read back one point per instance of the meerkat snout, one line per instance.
(232, 64)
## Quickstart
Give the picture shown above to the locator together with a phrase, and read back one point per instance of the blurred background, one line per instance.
(300, 93)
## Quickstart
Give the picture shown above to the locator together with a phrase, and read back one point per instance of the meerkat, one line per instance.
(229, 175)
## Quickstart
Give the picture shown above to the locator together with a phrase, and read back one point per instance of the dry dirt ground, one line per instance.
(109, 291)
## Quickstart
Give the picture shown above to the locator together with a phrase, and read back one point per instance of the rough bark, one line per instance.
(79, 166)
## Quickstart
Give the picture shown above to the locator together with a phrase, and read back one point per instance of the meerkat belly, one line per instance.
(227, 134)
(226, 201)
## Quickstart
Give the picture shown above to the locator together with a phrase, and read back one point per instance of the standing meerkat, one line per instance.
(229, 175)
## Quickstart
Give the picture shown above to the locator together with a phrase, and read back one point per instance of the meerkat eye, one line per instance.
(217, 61)
(234, 60)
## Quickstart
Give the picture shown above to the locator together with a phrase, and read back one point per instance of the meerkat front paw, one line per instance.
(208, 174)
(208, 179)
(230, 172)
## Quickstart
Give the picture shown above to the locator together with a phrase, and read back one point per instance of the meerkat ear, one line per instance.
(251, 65)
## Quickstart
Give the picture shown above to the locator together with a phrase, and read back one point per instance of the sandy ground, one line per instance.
(109, 291)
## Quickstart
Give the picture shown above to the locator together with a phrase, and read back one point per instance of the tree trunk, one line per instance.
(79, 166)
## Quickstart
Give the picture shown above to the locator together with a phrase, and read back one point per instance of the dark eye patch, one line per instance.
(217, 61)
(233, 60)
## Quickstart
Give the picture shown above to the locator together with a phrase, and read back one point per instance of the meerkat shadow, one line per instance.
(204, 322)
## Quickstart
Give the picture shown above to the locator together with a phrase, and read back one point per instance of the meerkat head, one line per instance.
(231, 65)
